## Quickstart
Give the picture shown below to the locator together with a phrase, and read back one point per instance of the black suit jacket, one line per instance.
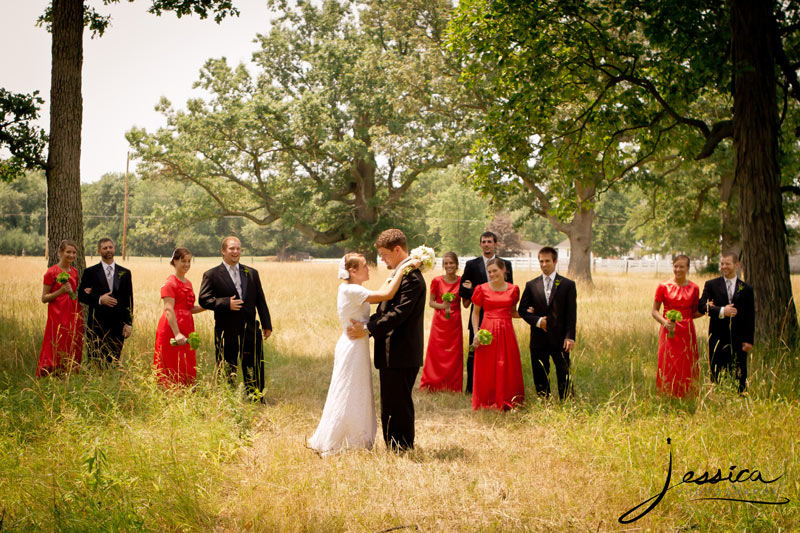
(217, 289)
(561, 312)
(110, 319)
(733, 330)
(398, 325)
(475, 271)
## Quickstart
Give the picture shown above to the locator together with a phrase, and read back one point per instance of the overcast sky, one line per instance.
(140, 58)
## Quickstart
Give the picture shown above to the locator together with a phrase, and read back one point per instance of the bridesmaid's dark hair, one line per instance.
(451, 255)
(496, 261)
(678, 257)
(67, 242)
(179, 254)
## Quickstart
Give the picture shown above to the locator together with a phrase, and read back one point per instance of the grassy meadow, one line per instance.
(109, 450)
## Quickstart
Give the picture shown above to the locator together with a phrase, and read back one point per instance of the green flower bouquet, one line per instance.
(63, 279)
(484, 337)
(194, 340)
(673, 315)
(447, 298)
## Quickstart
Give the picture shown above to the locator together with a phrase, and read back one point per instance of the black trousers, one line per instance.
(104, 344)
(242, 342)
(724, 358)
(397, 407)
(540, 363)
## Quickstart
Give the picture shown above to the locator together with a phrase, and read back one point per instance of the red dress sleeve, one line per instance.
(50, 277)
(168, 289)
(436, 287)
(514, 295)
(660, 292)
(478, 296)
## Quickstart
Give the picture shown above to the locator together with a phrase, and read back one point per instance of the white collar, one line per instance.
(486, 260)
(231, 267)
(733, 279)
(113, 265)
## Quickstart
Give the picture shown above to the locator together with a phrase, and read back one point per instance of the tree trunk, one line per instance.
(579, 233)
(64, 209)
(755, 139)
(730, 237)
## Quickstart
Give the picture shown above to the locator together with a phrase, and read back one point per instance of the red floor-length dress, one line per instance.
(444, 358)
(498, 369)
(176, 364)
(678, 367)
(62, 346)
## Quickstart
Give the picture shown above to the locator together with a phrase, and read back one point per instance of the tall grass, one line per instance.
(110, 450)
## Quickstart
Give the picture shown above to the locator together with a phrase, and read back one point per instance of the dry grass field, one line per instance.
(109, 450)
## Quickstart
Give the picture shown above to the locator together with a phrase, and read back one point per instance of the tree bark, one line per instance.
(730, 238)
(580, 245)
(579, 233)
(64, 209)
(755, 137)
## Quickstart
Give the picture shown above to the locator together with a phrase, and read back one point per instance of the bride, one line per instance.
(348, 419)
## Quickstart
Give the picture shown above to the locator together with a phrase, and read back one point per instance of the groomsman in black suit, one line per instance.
(233, 291)
(728, 301)
(474, 275)
(549, 305)
(398, 329)
(107, 290)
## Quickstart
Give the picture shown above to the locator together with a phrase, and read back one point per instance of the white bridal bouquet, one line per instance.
(426, 256)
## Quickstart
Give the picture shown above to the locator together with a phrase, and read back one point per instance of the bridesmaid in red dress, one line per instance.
(176, 365)
(444, 358)
(678, 367)
(62, 346)
(498, 370)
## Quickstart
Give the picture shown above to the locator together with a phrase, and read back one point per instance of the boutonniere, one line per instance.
(120, 274)
(558, 282)
(739, 289)
(246, 271)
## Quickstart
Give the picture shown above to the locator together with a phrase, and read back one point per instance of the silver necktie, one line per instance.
(236, 281)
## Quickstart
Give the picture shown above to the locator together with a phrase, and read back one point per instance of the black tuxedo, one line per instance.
(398, 330)
(237, 333)
(475, 271)
(103, 323)
(726, 335)
(561, 314)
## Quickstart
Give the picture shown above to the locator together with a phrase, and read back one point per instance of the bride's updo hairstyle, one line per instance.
(350, 262)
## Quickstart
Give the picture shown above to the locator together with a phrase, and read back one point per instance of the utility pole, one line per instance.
(125, 213)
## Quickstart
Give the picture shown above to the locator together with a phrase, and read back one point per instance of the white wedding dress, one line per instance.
(348, 418)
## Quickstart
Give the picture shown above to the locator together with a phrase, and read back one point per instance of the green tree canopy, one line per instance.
(24, 142)
(342, 109)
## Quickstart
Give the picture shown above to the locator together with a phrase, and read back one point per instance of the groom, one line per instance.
(397, 328)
